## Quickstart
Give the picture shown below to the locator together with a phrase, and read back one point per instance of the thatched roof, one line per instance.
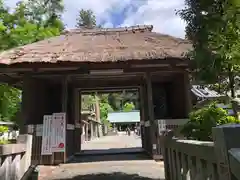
(100, 45)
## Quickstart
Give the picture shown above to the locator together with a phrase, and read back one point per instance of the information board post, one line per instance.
(46, 149)
(58, 137)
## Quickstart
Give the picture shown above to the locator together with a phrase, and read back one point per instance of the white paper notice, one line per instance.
(46, 136)
(58, 132)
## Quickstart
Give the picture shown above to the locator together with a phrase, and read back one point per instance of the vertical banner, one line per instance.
(58, 139)
(46, 135)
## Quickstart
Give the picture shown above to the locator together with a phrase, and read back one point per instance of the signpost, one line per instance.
(58, 135)
(46, 135)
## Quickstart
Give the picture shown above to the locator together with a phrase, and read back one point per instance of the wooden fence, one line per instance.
(199, 160)
(56, 157)
(15, 158)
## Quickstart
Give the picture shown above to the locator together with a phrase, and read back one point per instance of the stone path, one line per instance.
(122, 166)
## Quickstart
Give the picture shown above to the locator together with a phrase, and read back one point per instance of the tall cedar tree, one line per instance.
(213, 27)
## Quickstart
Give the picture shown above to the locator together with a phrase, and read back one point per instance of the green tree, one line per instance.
(203, 120)
(105, 107)
(9, 102)
(45, 12)
(16, 29)
(86, 18)
(128, 107)
(213, 28)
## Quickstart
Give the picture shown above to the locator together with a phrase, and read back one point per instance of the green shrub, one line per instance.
(3, 141)
(3, 129)
(199, 127)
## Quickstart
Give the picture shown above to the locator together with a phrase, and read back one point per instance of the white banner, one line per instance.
(58, 139)
(46, 135)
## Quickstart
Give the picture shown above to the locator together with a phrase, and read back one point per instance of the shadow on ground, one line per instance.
(111, 157)
(112, 176)
(111, 151)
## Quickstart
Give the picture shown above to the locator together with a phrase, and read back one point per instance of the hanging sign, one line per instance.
(46, 135)
(58, 139)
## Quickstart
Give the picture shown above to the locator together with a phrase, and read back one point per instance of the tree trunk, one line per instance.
(231, 82)
(232, 89)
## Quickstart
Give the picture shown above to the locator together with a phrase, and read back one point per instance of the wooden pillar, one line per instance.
(152, 128)
(77, 117)
(96, 130)
(87, 135)
(142, 117)
(147, 132)
(180, 96)
(64, 94)
(27, 102)
(187, 87)
(33, 102)
(92, 130)
(61, 157)
(33, 107)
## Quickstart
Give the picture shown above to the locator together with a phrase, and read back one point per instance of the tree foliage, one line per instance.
(105, 107)
(29, 22)
(213, 28)
(86, 18)
(128, 107)
(45, 12)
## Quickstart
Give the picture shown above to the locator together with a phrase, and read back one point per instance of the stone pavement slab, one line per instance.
(110, 142)
(110, 170)
(120, 166)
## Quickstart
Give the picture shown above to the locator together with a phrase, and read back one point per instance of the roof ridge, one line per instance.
(85, 31)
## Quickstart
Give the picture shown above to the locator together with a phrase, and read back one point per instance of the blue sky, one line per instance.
(114, 13)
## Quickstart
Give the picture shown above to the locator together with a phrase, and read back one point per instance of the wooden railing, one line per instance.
(199, 160)
(167, 124)
(234, 162)
(15, 158)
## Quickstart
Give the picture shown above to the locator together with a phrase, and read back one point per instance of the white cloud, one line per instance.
(159, 13)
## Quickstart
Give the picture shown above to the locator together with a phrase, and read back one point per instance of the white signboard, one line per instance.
(58, 139)
(39, 129)
(46, 136)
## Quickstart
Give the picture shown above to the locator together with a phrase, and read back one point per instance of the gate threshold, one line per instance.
(112, 151)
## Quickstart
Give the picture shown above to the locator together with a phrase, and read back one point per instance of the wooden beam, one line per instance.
(85, 72)
(96, 64)
(108, 89)
(107, 83)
